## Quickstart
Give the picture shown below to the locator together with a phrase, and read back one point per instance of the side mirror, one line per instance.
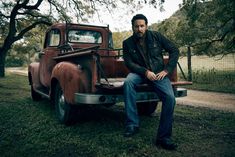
(40, 54)
(37, 48)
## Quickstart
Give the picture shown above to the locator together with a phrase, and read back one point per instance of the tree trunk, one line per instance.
(189, 64)
(2, 63)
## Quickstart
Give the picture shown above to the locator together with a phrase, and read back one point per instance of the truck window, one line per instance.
(110, 40)
(53, 38)
(84, 36)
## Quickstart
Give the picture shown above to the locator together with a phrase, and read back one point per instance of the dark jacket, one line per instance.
(155, 43)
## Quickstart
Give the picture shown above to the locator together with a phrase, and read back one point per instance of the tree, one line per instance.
(212, 27)
(118, 37)
(24, 51)
(18, 17)
(208, 28)
(23, 16)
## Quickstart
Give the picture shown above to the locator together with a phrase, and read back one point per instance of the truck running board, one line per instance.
(43, 93)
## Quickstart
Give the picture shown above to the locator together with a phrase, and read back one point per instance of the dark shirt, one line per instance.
(141, 45)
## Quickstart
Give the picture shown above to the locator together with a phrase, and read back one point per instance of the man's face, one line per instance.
(139, 28)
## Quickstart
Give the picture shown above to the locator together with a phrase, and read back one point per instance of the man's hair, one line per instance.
(139, 17)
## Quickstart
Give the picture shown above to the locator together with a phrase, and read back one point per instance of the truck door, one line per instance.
(52, 41)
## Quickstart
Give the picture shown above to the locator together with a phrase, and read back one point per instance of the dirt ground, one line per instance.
(213, 100)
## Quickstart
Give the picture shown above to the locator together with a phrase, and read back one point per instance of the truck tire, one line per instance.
(146, 108)
(64, 111)
(35, 96)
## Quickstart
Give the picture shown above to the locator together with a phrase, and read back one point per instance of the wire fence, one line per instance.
(207, 69)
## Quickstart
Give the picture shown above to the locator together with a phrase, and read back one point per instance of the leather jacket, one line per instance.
(155, 43)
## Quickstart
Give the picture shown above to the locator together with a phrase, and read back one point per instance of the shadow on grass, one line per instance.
(91, 113)
(86, 113)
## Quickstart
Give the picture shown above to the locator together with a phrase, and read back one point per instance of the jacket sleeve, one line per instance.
(172, 50)
(130, 63)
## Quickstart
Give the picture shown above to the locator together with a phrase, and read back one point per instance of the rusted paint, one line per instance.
(33, 70)
(71, 78)
(78, 75)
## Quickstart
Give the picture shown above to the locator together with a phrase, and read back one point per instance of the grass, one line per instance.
(211, 73)
(213, 80)
(30, 129)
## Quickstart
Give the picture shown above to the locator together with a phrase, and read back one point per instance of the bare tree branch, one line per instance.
(59, 9)
(22, 33)
(3, 15)
(31, 7)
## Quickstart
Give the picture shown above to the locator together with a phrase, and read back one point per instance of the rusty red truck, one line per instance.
(78, 65)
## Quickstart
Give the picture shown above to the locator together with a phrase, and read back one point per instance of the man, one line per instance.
(143, 57)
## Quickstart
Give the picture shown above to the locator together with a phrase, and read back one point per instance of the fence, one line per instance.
(210, 69)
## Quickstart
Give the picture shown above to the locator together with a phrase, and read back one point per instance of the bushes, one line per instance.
(14, 62)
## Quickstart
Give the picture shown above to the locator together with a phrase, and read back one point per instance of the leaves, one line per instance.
(206, 26)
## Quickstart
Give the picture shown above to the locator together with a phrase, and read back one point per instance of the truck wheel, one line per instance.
(146, 108)
(35, 96)
(63, 109)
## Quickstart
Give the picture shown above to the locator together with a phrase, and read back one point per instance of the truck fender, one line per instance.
(33, 75)
(72, 78)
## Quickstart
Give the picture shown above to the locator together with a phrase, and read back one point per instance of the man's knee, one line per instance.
(170, 98)
(131, 80)
(129, 84)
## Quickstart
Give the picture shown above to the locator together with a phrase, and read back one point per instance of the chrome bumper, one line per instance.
(86, 98)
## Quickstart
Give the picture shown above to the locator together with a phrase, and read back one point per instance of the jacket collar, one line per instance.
(149, 37)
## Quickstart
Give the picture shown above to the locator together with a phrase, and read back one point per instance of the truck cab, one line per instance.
(78, 66)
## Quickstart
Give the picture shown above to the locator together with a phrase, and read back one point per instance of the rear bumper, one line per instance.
(85, 98)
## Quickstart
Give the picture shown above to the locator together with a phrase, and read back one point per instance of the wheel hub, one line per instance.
(61, 104)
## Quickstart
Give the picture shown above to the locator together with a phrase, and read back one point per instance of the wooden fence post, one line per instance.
(189, 64)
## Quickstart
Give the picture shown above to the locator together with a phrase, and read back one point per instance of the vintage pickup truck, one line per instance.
(79, 66)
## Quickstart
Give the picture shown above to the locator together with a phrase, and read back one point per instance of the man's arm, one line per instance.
(173, 53)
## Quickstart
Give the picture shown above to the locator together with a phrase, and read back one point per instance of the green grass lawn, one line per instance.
(30, 129)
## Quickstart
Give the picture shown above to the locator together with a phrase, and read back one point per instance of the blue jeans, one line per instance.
(164, 90)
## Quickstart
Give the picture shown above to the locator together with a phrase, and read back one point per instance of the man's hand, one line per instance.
(150, 75)
(159, 76)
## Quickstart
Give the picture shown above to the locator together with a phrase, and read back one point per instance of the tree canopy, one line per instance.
(208, 27)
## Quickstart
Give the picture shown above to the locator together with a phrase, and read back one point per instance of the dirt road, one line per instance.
(214, 100)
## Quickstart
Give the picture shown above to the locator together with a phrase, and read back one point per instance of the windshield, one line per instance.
(84, 36)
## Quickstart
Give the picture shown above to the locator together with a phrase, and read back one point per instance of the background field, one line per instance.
(211, 73)
(30, 129)
(220, 63)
